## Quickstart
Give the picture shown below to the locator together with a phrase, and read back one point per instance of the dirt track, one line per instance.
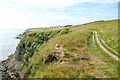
(103, 48)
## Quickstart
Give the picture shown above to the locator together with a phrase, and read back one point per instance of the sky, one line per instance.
(46, 13)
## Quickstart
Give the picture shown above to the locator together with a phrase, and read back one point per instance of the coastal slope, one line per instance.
(65, 52)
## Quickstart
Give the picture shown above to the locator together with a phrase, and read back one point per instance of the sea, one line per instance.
(8, 42)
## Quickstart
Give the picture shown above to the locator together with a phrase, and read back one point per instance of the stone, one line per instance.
(50, 58)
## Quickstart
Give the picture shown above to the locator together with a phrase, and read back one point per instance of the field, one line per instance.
(82, 57)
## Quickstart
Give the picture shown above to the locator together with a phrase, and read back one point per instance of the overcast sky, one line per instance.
(43, 13)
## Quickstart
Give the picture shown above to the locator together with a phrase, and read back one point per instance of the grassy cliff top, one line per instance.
(77, 55)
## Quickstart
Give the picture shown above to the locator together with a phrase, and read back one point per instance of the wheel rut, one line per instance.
(114, 57)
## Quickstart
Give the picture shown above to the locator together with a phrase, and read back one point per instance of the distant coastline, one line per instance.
(18, 36)
(8, 41)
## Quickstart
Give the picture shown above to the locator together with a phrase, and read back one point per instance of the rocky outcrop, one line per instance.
(8, 70)
(51, 57)
(56, 55)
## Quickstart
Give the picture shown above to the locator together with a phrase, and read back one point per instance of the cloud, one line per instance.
(49, 3)
(19, 13)
(9, 17)
(12, 18)
(106, 1)
(55, 3)
(54, 17)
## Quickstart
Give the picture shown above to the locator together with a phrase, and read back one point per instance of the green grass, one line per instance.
(82, 59)
(109, 48)
(112, 66)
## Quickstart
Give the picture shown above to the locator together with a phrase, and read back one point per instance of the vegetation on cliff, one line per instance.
(68, 52)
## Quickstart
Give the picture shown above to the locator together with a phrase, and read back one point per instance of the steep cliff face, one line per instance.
(27, 47)
(30, 44)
